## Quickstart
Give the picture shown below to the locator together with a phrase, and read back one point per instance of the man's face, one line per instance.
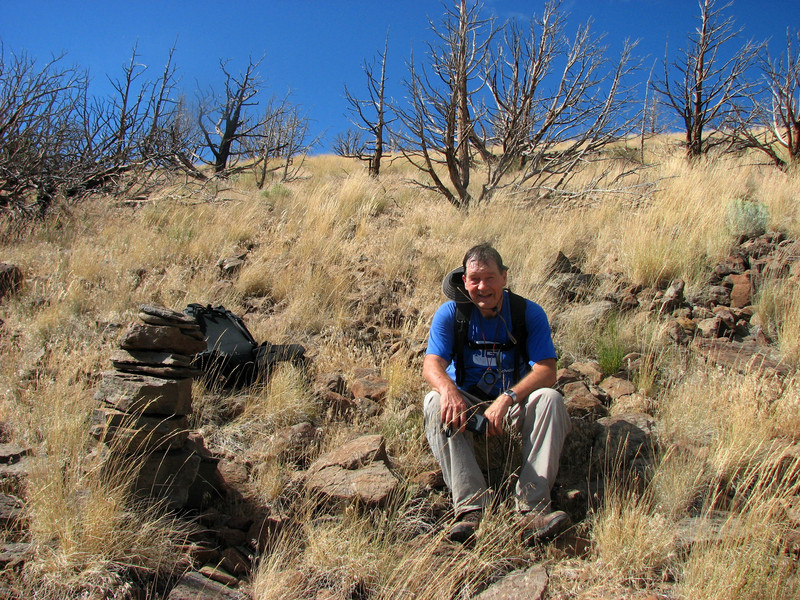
(484, 282)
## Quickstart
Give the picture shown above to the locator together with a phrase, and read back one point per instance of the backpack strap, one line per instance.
(463, 312)
(519, 329)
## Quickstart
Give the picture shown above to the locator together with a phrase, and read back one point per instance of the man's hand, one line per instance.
(496, 414)
(452, 403)
(454, 410)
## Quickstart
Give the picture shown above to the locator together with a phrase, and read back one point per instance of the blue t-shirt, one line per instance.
(492, 367)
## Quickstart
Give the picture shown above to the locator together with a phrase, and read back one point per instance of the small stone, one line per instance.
(220, 575)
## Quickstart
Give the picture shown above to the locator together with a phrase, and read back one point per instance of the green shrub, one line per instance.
(746, 217)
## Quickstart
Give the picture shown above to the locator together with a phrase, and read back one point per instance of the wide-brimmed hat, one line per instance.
(453, 286)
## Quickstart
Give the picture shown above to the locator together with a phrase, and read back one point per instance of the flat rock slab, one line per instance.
(194, 586)
(13, 453)
(358, 471)
(131, 434)
(150, 357)
(167, 314)
(14, 476)
(145, 394)
(161, 338)
(530, 584)
(741, 356)
(372, 485)
(354, 454)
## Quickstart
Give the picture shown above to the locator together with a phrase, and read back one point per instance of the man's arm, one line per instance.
(542, 375)
(452, 402)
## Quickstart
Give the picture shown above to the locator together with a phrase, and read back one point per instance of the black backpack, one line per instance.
(518, 341)
(233, 357)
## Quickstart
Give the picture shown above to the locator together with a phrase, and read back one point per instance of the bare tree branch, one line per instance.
(706, 85)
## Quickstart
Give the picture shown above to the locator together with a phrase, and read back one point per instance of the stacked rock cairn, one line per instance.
(146, 401)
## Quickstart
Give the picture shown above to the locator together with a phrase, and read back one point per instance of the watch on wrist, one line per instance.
(511, 394)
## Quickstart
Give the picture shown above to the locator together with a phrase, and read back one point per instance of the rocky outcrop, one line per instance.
(145, 402)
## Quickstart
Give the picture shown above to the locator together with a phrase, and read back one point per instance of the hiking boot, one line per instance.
(537, 527)
(464, 527)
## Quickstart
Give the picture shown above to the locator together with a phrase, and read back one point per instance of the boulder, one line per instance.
(11, 511)
(709, 328)
(230, 265)
(718, 295)
(357, 453)
(265, 531)
(235, 561)
(571, 286)
(588, 315)
(13, 556)
(293, 444)
(372, 485)
(565, 376)
(11, 453)
(562, 264)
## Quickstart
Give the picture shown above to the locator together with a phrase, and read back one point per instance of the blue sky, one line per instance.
(312, 48)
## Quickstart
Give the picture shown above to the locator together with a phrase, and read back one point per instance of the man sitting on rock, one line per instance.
(491, 352)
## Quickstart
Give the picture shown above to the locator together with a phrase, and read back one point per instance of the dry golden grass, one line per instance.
(316, 247)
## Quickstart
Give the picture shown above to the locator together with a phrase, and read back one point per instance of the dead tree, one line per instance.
(370, 116)
(444, 113)
(37, 106)
(224, 121)
(295, 142)
(558, 103)
(516, 106)
(706, 84)
(351, 144)
(59, 143)
(768, 120)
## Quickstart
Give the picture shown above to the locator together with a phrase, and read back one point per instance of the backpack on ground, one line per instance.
(234, 358)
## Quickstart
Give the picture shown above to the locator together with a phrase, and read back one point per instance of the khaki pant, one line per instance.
(543, 424)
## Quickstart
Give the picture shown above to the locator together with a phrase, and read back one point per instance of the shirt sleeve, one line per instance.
(441, 337)
(540, 339)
